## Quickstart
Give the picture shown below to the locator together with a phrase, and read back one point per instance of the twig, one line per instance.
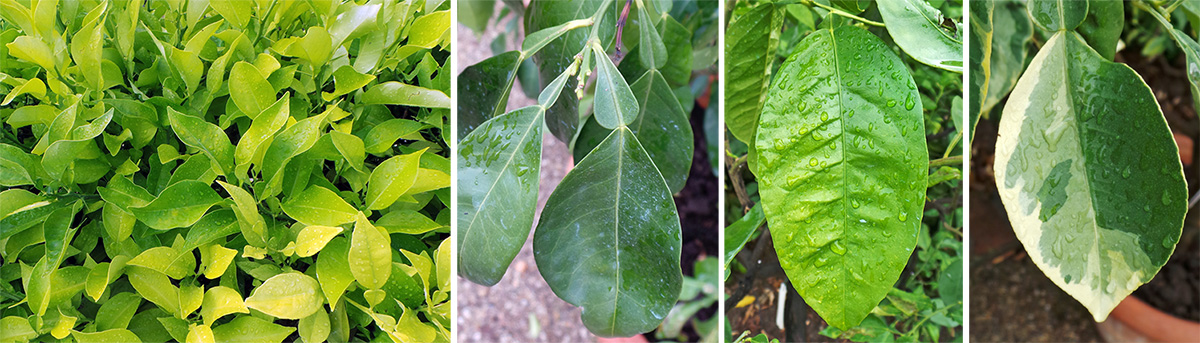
(837, 11)
(945, 161)
(735, 178)
(621, 23)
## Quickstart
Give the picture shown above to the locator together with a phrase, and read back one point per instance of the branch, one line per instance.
(945, 161)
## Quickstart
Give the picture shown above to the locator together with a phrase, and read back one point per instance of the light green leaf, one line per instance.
(347, 80)
(312, 239)
(842, 169)
(333, 269)
(390, 179)
(86, 50)
(175, 264)
(381, 137)
(319, 206)
(497, 192)
(33, 87)
(249, 90)
(103, 274)
(396, 93)
(220, 301)
(215, 259)
(200, 334)
(16, 329)
(1089, 174)
(917, 28)
(615, 103)
(33, 50)
(315, 47)
(155, 287)
(428, 30)
(408, 222)
(251, 329)
(748, 75)
(180, 205)
(249, 219)
(235, 12)
(209, 138)
(351, 148)
(370, 254)
(264, 126)
(107, 336)
(315, 327)
(286, 296)
(614, 216)
(289, 143)
(117, 311)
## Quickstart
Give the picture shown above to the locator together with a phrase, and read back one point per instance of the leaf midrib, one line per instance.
(837, 71)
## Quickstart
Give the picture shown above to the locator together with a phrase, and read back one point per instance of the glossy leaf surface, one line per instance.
(918, 28)
(842, 167)
(1090, 175)
(661, 126)
(609, 239)
(498, 169)
(748, 75)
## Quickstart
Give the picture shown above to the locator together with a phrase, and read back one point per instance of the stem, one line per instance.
(621, 23)
(835, 10)
(1192, 202)
(953, 144)
(945, 161)
(923, 320)
(735, 178)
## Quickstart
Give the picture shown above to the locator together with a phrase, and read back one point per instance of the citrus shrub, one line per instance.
(217, 171)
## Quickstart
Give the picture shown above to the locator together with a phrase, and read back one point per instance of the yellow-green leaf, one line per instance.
(287, 296)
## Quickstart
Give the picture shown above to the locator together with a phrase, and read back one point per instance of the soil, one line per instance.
(521, 307)
(1011, 299)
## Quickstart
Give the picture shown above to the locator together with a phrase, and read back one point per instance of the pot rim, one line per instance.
(1154, 323)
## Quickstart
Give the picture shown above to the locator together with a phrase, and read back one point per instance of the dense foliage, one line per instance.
(844, 140)
(609, 237)
(224, 171)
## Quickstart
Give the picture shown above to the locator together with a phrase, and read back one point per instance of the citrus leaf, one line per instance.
(370, 254)
(286, 296)
(1073, 165)
(319, 206)
(390, 179)
(180, 205)
(917, 28)
(842, 170)
(609, 239)
(498, 168)
(748, 75)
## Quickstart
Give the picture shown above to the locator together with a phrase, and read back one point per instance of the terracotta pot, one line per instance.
(1136, 321)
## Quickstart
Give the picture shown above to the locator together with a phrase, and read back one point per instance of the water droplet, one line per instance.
(909, 103)
(1169, 241)
(854, 203)
(1125, 173)
(891, 103)
(822, 261)
(837, 247)
(812, 162)
(1166, 198)
(824, 116)
(1057, 248)
(903, 216)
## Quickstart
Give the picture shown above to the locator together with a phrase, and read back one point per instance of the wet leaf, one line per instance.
(1067, 146)
(842, 168)
(613, 214)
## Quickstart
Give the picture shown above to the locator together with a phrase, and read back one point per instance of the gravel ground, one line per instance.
(521, 308)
